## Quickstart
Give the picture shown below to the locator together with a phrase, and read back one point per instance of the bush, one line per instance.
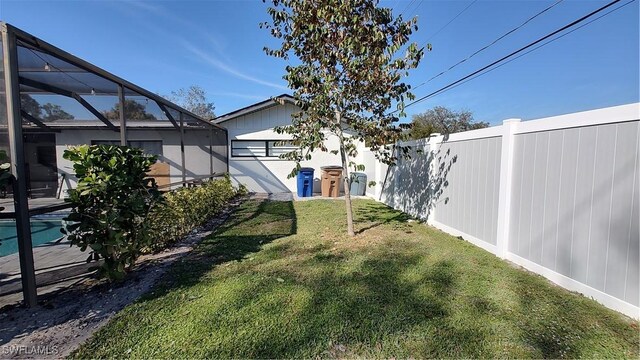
(187, 208)
(5, 170)
(111, 203)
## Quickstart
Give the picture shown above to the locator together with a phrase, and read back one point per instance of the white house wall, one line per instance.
(269, 175)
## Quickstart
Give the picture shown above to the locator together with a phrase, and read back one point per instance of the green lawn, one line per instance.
(281, 280)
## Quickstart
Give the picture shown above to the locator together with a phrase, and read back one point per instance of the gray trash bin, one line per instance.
(358, 183)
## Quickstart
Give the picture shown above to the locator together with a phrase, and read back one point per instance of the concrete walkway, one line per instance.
(34, 204)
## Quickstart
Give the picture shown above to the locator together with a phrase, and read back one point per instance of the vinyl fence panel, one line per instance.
(559, 196)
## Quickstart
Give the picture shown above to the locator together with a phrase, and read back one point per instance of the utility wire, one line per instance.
(416, 7)
(573, 23)
(490, 44)
(539, 46)
(407, 7)
(450, 21)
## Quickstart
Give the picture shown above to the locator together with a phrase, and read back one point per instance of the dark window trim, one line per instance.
(266, 148)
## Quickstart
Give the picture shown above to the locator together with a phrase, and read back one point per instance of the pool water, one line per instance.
(42, 232)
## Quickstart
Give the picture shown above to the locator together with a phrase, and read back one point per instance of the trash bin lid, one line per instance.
(331, 167)
(306, 169)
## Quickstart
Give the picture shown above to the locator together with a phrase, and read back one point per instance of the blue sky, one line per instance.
(166, 45)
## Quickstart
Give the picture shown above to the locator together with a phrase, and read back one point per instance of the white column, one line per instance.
(433, 144)
(393, 170)
(509, 127)
(378, 178)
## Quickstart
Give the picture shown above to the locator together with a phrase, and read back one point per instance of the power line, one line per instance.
(450, 21)
(407, 7)
(490, 44)
(575, 22)
(539, 46)
(417, 6)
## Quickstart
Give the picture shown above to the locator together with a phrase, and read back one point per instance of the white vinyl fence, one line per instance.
(559, 196)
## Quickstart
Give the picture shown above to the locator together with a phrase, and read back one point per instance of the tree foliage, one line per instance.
(133, 110)
(348, 78)
(194, 99)
(110, 204)
(444, 121)
(46, 112)
(53, 112)
(30, 105)
(5, 169)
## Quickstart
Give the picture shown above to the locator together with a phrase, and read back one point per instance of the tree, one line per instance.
(193, 99)
(444, 121)
(46, 112)
(30, 105)
(133, 110)
(347, 79)
(54, 112)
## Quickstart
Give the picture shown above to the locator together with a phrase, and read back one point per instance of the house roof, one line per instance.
(265, 104)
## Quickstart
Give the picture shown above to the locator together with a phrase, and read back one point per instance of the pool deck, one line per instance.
(34, 204)
(57, 265)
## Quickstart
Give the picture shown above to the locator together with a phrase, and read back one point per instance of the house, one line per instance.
(253, 150)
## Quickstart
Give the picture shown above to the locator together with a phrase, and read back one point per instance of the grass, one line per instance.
(281, 280)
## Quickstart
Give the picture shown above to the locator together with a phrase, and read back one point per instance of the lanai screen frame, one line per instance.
(11, 36)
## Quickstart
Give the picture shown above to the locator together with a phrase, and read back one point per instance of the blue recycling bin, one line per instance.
(305, 182)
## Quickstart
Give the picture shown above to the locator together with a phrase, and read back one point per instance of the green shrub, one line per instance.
(5, 170)
(187, 208)
(111, 203)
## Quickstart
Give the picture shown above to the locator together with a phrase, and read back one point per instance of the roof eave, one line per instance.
(259, 106)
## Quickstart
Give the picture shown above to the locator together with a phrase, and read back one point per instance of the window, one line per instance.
(277, 150)
(150, 147)
(248, 148)
(260, 148)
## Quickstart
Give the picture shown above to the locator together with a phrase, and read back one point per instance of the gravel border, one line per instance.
(62, 321)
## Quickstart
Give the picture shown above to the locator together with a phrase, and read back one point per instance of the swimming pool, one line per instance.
(43, 230)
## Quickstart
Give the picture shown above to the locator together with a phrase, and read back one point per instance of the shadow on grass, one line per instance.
(269, 220)
(307, 297)
(371, 215)
(345, 313)
(370, 312)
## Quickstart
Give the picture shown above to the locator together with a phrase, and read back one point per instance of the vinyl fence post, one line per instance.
(377, 169)
(394, 192)
(433, 146)
(509, 128)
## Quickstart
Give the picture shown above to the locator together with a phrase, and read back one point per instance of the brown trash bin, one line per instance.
(330, 181)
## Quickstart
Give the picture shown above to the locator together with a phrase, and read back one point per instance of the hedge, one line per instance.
(185, 209)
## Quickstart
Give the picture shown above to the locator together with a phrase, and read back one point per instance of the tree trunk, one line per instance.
(347, 182)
